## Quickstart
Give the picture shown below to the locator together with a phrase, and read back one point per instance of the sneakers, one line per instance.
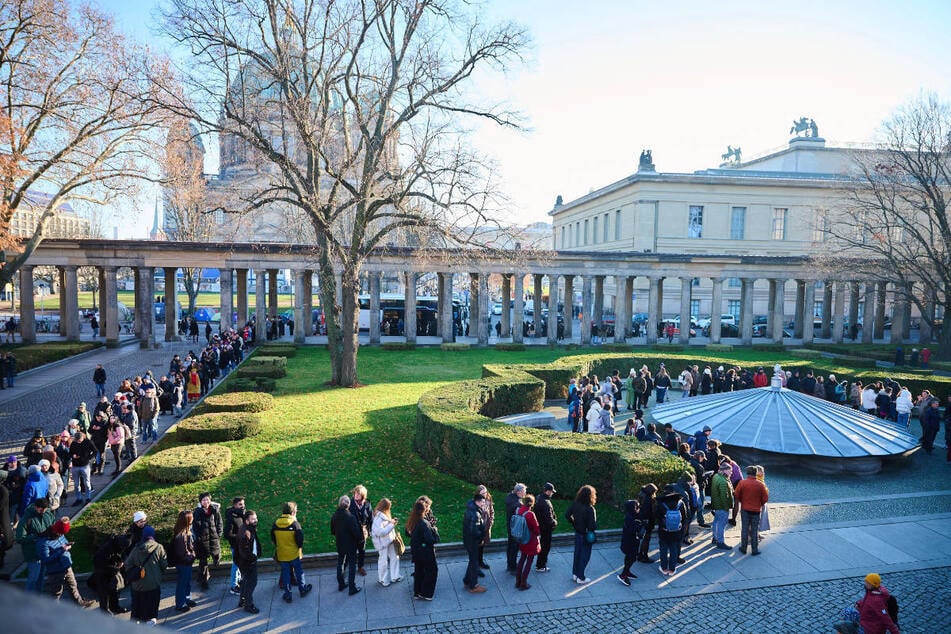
(743, 549)
(524, 586)
(236, 590)
(353, 591)
(624, 580)
(308, 588)
(580, 580)
(545, 569)
(385, 584)
(190, 603)
(477, 589)
(722, 546)
(287, 597)
(252, 609)
(754, 553)
(182, 608)
(398, 579)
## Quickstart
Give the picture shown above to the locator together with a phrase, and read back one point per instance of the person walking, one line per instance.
(528, 550)
(584, 518)
(752, 494)
(473, 534)
(182, 557)
(99, 380)
(348, 533)
(288, 538)
(547, 521)
(247, 549)
(421, 527)
(671, 517)
(384, 535)
(150, 559)
(53, 550)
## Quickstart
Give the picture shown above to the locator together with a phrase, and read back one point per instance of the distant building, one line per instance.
(65, 222)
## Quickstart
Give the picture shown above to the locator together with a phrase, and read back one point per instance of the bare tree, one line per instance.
(897, 211)
(76, 113)
(353, 109)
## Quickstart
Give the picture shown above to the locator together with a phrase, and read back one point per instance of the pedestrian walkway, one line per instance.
(805, 575)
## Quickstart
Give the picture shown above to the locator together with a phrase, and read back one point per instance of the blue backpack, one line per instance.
(672, 519)
(518, 527)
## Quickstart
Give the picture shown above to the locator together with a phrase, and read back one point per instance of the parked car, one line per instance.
(497, 308)
(726, 330)
(760, 330)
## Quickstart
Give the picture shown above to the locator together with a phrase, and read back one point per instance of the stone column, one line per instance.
(716, 309)
(552, 308)
(272, 293)
(61, 297)
(482, 325)
(519, 311)
(537, 303)
(868, 318)
(27, 307)
(826, 310)
(838, 312)
(587, 307)
(880, 310)
(308, 302)
(474, 315)
(621, 302)
(853, 307)
(242, 297)
(597, 311)
(260, 309)
(686, 292)
(144, 307)
(375, 314)
(778, 309)
(808, 309)
(109, 306)
(569, 303)
(770, 302)
(629, 306)
(746, 310)
(100, 275)
(655, 300)
(227, 300)
(69, 320)
(506, 316)
(171, 304)
(300, 310)
(800, 308)
(409, 312)
(445, 305)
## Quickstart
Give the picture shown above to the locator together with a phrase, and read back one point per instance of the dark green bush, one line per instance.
(189, 463)
(616, 347)
(455, 432)
(34, 355)
(511, 347)
(256, 384)
(267, 371)
(458, 347)
(768, 347)
(398, 345)
(277, 350)
(219, 427)
(263, 361)
(236, 402)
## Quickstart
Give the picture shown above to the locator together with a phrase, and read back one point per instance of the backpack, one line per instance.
(672, 520)
(518, 527)
(892, 604)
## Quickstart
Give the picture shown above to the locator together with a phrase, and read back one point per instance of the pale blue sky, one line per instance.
(608, 78)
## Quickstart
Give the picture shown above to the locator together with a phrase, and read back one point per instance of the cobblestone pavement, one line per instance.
(799, 608)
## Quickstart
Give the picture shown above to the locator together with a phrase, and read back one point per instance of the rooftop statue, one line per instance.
(805, 125)
(646, 162)
(733, 153)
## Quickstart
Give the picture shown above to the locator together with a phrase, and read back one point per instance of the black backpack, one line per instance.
(892, 604)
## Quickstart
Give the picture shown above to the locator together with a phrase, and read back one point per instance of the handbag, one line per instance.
(134, 573)
(398, 545)
(590, 537)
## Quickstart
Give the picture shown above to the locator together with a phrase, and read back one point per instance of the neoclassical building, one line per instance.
(775, 205)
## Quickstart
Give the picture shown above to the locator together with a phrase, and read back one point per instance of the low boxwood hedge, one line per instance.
(34, 355)
(251, 384)
(266, 371)
(398, 345)
(189, 463)
(511, 347)
(264, 361)
(455, 433)
(457, 347)
(236, 402)
(219, 427)
(277, 350)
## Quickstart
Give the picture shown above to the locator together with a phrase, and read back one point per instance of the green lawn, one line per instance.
(319, 442)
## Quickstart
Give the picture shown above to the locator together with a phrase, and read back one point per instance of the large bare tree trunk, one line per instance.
(350, 328)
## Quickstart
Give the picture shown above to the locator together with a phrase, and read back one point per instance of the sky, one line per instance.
(606, 79)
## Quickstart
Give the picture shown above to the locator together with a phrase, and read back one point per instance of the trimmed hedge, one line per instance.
(398, 345)
(456, 347)
(277, 350)
(455, 433)
(236, 402)
(264, 361)
(219, 427)
(34, 355)
(255, 384)
(719, 347)
(511, 347)
(189, 463)
(616, 347)
(262, 371)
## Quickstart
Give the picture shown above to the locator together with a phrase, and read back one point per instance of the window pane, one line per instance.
(733, 307)
(586, 232)
(695, 225)
(606, 218)
(737, 223)
(733, 282)
(779, 223)
(617, 224)
(594, 236)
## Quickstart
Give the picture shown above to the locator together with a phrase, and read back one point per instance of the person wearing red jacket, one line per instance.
(874, 616)
(760, 379)
(752, 495)
(530, 549)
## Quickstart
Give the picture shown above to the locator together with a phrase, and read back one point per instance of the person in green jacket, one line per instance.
(36, 520)
(721, 501)
(149, 557)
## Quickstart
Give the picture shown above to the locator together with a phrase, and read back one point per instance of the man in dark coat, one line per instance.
(207, 527)
(547, 521)
(246, 553)
(512, 503)
(345, 528)
(473, 533)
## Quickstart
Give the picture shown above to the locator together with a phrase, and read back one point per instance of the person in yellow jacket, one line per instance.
(288, 538)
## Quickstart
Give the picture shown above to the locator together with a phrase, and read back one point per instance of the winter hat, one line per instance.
(138, 516)
(148, 533)
(12, 459)
(44, 463)
(61, 526)
(873, 579)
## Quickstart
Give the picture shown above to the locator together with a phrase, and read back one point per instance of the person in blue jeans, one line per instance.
(584, 518)
(36, 520)
(661, 384)
(182, 556)
(670, 528)
(288, 538)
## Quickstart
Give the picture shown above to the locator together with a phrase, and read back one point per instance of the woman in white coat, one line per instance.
(383, 534)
